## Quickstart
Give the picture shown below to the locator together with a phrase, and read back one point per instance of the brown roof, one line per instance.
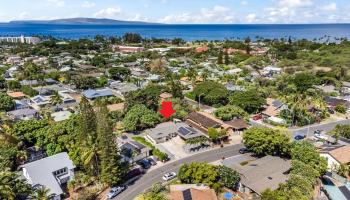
(16, 94)
(342, 154)
(196, 194)
(202, 120)
(116, 107)
(237, 124)
(165, 95)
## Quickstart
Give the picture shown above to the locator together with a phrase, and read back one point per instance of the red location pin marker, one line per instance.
(167, 109)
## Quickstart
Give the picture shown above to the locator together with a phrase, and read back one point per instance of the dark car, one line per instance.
(144, 163)
(300, 137)
(244, 150)
(152, 162)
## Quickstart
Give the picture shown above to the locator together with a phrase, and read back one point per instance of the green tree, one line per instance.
(132, 38)
(211, 93)
(266, 141)
(228, 176)
(227, 58)
(119, 73)
(12, 187)
(56, 99)
(340, 108)
(197, 173)
(308, 154)
(140, 117)
(111, 169)
(250, 101)
(342, 130)
(41, 193)
(6, 102)
(229, 112)
(220, 58)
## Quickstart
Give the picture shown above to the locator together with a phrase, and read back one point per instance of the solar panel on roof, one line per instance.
(187, 194)
(183, 131)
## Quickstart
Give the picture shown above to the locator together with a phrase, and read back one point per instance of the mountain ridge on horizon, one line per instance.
(82, 21)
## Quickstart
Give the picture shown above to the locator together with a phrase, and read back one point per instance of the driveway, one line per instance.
(155, 175)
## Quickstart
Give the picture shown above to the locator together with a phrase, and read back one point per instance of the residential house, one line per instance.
(61, 116)
(165, 95)
(336, 157)
(332, 102)
(40, 101)
(50, 172)
(192, 192)
(128, 49)
(133, 151)
(162, 132)
(23, 114)
(271, 70)
(116, 107)
(29, 82)
(234, 88)
(261, 174)
(238, 125)
(272, 110)
(326, 88)
(123, 88)
(21, 104)
(202, 49)
(93, 94)
(203, 121)
(345, 87)
(16, 95)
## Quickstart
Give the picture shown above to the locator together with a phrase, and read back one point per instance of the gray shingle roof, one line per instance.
(93, 94)
(41, 171)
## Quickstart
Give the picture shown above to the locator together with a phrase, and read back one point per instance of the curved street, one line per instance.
(154, 176)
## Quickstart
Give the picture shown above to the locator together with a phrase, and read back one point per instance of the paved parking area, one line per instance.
(175, 147)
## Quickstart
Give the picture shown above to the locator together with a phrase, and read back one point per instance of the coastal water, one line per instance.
(187, 32)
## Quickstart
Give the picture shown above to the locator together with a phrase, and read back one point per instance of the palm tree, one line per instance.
(192, 75)
(41, 193)
(90, 158)
(56, 99)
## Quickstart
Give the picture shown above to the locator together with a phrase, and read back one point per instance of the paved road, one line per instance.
(155, 175)
(309, 130)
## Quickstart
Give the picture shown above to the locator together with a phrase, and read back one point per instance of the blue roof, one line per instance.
(93, 94)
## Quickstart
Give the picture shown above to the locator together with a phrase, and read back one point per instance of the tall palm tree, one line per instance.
(41, 193)
(56, 99)
(90, 158)
(192, 75)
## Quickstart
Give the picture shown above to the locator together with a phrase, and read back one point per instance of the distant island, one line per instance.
(82, 21)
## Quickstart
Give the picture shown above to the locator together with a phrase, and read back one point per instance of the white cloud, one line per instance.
(251, 18)
(217, 14)
(244, 3)
(111, 12)
(23, 15)
(88, 4)
(330, 7)
(295, 3)
(58, 3)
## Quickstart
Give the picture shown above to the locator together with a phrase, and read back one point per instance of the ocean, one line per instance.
(187, 32)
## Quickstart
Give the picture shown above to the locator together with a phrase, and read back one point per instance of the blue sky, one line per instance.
(182, 11)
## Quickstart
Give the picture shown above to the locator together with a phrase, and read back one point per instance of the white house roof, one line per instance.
(41, 171)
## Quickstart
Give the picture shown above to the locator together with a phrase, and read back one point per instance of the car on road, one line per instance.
(169, 176)
(115, 191)
(299, 137)
(243, 150)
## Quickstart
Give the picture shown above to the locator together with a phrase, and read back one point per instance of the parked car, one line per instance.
(144, 163)
(169, 176)
(152, 162)
(115, 191)
(300, 137)
(257, 117)
(243, 150)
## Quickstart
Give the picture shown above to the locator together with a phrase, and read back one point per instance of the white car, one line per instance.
(115, 191)
(169, 176)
